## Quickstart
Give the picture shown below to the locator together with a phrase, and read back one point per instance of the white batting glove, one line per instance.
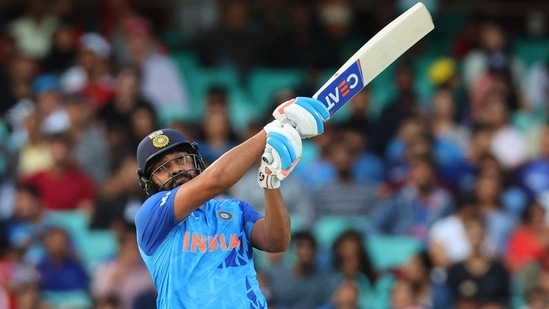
(307, 115)
(282, 152)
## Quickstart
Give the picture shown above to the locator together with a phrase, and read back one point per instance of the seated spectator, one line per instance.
(302, 285)
(162, 84)
(33, 31)
(61, 269)
(343, 195)
(529, 241)
(119, 197)
(90, 143)
(34, 154)
(448, 241)
(351, 262)
(218, 136)
(90, 75)
(479, 280)
(346, 296)
(425, 281)
(63, 186)
(404, 295)
(499, 224)
(115, 116)
(125, 276)
(48, 99)
(413, 209)
(26, 227)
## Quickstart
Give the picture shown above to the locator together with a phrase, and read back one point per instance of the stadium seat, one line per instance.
(263, 83)
(98, 246)
(328, 228)
(388, 252)
(531, 51)
(67, 299)
(75, 222)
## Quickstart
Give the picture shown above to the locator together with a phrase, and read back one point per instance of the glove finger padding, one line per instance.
(307, 115)
(282, 152)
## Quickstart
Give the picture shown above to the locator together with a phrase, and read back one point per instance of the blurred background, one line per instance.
(429, 190)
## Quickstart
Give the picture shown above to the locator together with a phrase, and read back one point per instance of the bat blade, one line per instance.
(375, 56)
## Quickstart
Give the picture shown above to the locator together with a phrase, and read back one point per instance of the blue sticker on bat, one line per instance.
(343, 88)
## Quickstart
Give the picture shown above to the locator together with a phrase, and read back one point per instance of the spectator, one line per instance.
(115, 117)
(508, 144)
(351, 261)
(479, 279)
(125, 276)
(345, 296)
(533, 176)
(426, 282)
(448, 242)
(91, 74)
(90, 143)
(63, 52)
(61, 269)
(529, 241)
(404, 295)
(161, 83)
(17, 76)
(78, 190)
(368, 168)
(49, 104)
(344, 196)
(218, 136)
(34, 154)
(491, 40)
(119, 197)
(26, 227)
(499, 223)
(303, 285)
(413, 209)
(33, 31)
(403, 106)
(318, 170)
(232, 44)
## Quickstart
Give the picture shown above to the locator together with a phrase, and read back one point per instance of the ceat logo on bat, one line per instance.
(343, 88)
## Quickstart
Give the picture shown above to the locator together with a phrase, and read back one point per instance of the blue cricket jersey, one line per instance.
(205, 260)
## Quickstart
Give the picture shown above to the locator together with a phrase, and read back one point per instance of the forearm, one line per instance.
(232, 165)
(277, 231)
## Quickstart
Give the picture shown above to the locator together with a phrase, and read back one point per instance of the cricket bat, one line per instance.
(375, 56)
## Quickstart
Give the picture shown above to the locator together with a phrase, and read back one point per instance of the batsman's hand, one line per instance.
(307, 115)
(282, 152)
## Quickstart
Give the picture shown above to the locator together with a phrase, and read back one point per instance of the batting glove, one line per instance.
(307, 115)
(282, 152)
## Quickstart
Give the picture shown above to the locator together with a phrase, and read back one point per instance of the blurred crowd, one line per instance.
(439, 199)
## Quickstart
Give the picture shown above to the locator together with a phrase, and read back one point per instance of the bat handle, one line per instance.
(267, 156)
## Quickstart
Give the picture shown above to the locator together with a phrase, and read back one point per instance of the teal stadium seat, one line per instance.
(531, 51)
(264, 83)
(388, 252)
(98, 246)
(328, 228)
(93, 246)
(67, 299)
(75, 222)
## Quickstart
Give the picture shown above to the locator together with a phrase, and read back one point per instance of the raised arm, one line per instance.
(219, 176)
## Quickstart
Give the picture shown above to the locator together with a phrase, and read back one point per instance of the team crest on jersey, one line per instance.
(160, 141)
(224, 215)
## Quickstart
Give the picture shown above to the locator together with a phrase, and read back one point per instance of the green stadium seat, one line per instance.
(67, 299)
(263, 83)
(388, 252)
(75, 222)
(328, 228)
(98, 246)
(531, 52)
